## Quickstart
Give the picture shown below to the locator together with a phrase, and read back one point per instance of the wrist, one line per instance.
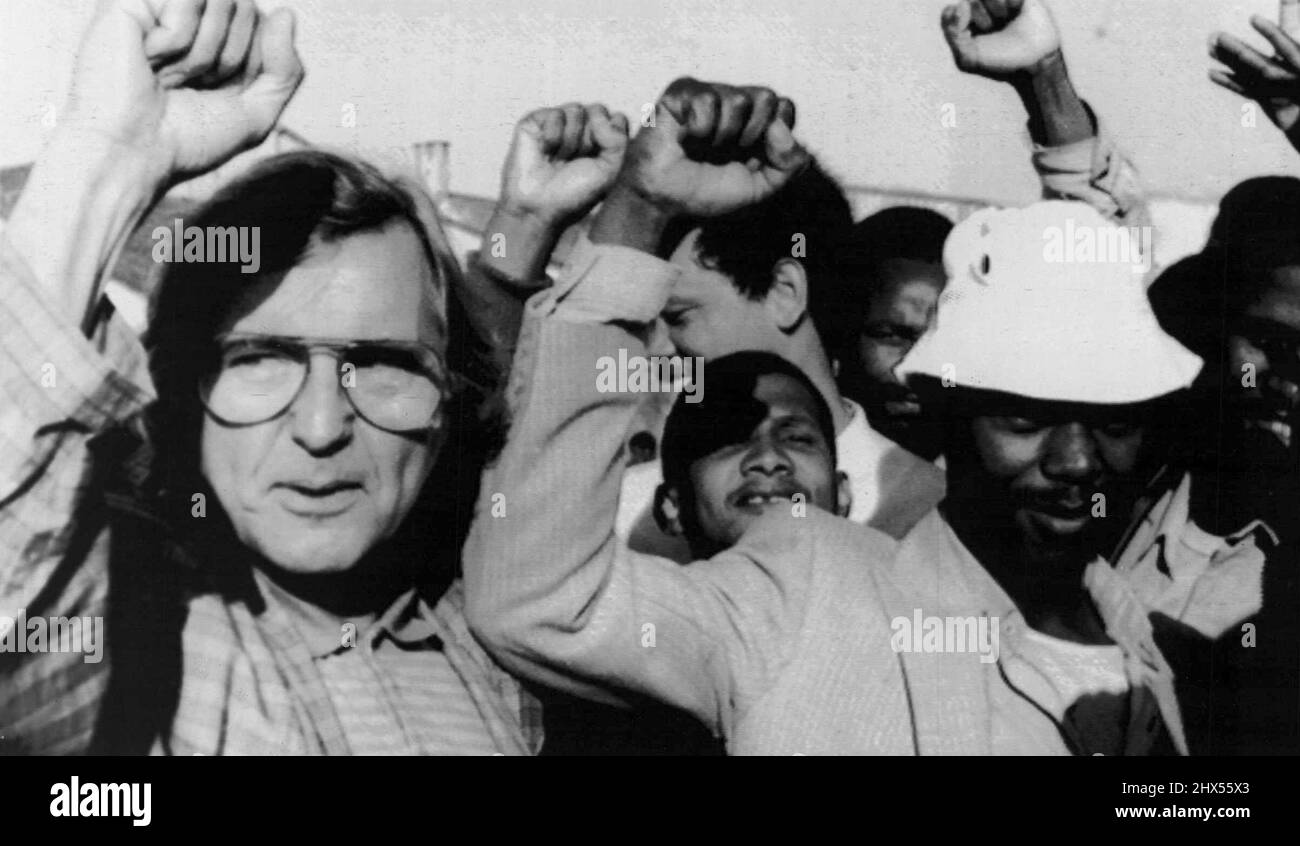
(1050, 70)
(517, 244)
(1057, 115)
(632, 218)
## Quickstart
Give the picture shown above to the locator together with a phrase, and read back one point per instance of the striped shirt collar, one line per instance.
(408, 622)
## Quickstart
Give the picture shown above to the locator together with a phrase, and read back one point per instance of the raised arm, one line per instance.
(558, 168)
(550, 589)
(1018, 42)
(136, 120)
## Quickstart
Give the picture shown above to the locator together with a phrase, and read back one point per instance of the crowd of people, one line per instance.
(937, 487)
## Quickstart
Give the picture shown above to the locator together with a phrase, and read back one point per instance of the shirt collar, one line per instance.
(408, 622)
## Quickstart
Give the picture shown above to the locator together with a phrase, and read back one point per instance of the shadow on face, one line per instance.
(905, 295)
(1046, 490)
(317, 487)
(770, 453)
(707, 315)
(1263, 356)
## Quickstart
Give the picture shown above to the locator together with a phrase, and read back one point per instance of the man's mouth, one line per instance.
(318, 498)
(757, 499)
(1060, 517)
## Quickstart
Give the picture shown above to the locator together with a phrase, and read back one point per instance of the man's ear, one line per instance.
(843, 494)
(787, 299)
(668, 511)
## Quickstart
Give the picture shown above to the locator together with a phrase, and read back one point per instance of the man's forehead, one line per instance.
(784, 396)
(730, 417)
(367, 285)
(978, 403)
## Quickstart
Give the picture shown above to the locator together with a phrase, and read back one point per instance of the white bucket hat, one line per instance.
(1047, 302)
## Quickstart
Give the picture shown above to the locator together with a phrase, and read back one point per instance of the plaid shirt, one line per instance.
(248, 682)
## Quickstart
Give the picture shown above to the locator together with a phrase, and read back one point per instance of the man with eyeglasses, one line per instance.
(268, 565)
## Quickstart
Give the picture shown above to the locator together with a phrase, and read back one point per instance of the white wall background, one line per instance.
(870, 78)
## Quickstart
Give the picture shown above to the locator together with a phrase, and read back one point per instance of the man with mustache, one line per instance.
(1061, 396)
(779, 637)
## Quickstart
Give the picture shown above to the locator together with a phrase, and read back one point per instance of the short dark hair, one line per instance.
(697, 429)
(902, 232)
(811, 209)
(298, 199)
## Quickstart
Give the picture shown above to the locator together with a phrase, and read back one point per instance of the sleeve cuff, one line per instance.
(1061, 167)
(94, 381)
(603, 283)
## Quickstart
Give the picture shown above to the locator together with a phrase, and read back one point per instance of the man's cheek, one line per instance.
(230, 463)
(877, 364)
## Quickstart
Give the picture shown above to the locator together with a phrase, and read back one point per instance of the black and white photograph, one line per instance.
(651, 379)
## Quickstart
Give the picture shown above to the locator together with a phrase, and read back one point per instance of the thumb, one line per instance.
(610, 134)
(781, 150)
(956, 21)
(671, 116)
(280, 69)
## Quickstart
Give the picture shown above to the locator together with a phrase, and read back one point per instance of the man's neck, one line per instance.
(1050, 594)
(317, 624)
(806, 352)
(357, 595)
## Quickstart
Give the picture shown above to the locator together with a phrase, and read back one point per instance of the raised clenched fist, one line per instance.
(562, 161)
(713, 148)
(185, 84)
(1000, 38)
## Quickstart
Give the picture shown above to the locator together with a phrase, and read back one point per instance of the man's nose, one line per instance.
(766, 456)
(321, 417)
(1072, 454)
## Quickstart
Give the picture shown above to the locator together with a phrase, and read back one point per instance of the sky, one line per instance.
(871, 78)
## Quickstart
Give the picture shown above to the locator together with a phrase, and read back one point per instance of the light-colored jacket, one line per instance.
(781, 644)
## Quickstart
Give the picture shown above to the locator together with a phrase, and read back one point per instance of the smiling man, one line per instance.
(765, 442)
(778, 635)
(1059, 390)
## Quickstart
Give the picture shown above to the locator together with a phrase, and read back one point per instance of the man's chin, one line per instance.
(1054, 538)
(313, 550)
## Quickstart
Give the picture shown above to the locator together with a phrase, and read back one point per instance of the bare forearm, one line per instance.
(81, 202)
(1057, 115)
(518, 246)
(627, 219)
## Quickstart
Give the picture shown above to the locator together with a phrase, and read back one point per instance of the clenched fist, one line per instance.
(186, 84)
(1000, 38)
(562, 161)
(713, 148)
